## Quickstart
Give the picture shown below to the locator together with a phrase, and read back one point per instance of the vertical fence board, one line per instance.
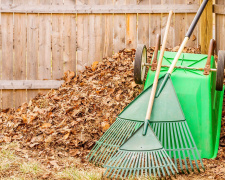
(20, 44)
(82, 38)
(131, 27)
(170, 38)
(45, 56)
(44, 63)
(119, 26)
(7, 57)
(107, 32)
(180, 25)
(143, 26)
(32, 51)
(57, 42)
(0, 55)
(45, 29)
(220, 31)
(155, 24)
(57, 46)
(69, 42)
(193, 42)
(206, 23)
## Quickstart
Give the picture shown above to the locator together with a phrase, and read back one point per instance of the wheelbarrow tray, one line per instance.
(201, 103)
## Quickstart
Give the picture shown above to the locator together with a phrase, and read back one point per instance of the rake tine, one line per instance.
(114, 162)
(161, 137)
(123, 161)
(128, 164)
(164, 163)
(169, 143)
(181, 143)
(153, 164)
(174, 152)
(146, 162)
(110, 163)
(108, 137)
(136, 164)
(125, 164)
(149, 163)
(112, 137)
(132, 168)
(156, 162)
(165, 136)
(160, 163)
(122, 138)
(189, 133)
(169, 162)
(143, 159)
(178, 147)
(118, 163)
(185, 141)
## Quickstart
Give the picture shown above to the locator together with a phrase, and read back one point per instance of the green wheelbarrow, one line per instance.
(199, 87)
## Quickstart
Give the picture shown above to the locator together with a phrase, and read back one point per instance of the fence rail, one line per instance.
(41, 39)
(98, 9)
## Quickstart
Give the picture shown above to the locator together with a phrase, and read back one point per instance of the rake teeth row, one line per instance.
(111, 140)
(179, 144)
(140, 164)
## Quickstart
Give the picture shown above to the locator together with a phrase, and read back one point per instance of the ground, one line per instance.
(49, 137)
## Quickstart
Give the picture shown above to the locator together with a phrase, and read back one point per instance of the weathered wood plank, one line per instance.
(119, 26)
(220, 25)
(206, 25)
(45, 30)
(70, 44)
(32, 49)
(82, 38)
(20, 44)
(144, 26)
(155, 23)
(57, 46)
(170, 39)
(131, 27)
(219, 9)
(45, 40)
(7, 57)
(195, 37)
(98, 35)
(98, 9)
(30, 84)
(180, 25)
(107, 21)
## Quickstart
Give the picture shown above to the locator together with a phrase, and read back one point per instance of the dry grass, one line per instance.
(13, 166)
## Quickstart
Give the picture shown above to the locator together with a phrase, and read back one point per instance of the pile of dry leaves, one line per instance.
(68, 121)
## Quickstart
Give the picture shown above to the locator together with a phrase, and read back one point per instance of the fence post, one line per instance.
(206, 26)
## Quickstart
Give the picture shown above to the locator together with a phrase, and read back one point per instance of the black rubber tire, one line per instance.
(140, 58)
(220, 70)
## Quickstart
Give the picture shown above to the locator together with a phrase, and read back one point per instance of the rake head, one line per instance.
(141, 155)
(112, 139)
(140, 164)
(168, 123)
(179, 144)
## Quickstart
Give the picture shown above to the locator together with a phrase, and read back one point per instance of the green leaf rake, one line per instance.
(167, 120)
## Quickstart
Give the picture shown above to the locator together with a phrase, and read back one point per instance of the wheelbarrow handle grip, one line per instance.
(196, 18)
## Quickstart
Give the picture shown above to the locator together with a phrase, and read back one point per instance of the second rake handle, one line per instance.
(152, 96)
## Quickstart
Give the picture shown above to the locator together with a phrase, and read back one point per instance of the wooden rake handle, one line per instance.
(152, 96)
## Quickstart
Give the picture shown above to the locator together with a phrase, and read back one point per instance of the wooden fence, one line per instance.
(41, 39)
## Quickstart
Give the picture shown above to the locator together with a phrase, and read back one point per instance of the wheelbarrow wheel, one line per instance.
(139, 67)
(220, 70)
